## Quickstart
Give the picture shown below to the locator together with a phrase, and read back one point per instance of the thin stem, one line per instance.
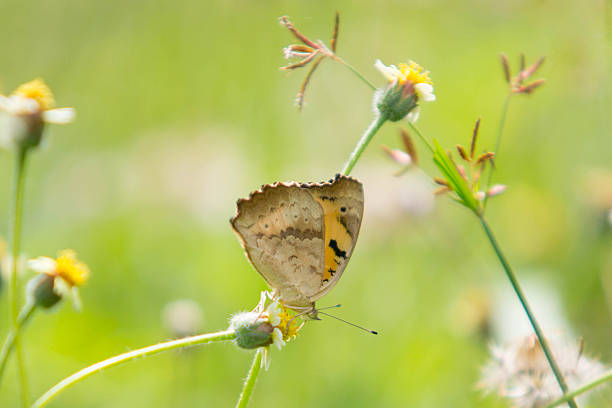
(523, 299)
(355, 71)
(15, 243)
(421, 136)
(129, 356)
(363, 143)
(603, 379)
(24, 316)
(249, 383)
(500, 131)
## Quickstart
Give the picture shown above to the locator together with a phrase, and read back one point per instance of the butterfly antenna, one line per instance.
(329, 307)
(344, 321)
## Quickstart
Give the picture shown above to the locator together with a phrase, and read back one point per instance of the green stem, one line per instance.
(129, 356)
(24, 316)
(603, 379)
(523, 299)
(500, 131)
(249, 383)
(355, 71)
(15, 244)
(421, 136)
(363, 143)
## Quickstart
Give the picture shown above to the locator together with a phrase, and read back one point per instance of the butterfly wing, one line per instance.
(342, 203)
(281, 228)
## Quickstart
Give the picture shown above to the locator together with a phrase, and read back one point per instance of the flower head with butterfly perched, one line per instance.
(299, 237)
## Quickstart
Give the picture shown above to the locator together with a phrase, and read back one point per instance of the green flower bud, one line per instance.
(395, 102)
(40, 291)
(252, 331)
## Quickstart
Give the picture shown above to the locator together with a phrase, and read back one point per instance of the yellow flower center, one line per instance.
(70, 269)
(413, 72)
(38, 91)
(287, 320)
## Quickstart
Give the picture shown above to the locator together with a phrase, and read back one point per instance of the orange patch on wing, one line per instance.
(338, 242)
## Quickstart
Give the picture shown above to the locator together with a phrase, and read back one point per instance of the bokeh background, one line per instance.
(182, 110)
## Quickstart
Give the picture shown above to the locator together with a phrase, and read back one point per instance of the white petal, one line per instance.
(277, 338)
(62, 288)
(18, 105)
(76, 299)
(274, 311)
(265, 359)
(59, 116)
(42, 264)
(425, 92)
(413, 116)
(5, 103)
(390, 72)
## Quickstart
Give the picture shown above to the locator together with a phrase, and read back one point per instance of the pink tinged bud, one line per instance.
(398, 156)
(496, 189)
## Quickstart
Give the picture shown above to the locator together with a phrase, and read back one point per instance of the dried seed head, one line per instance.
(532, 69)
(442, 190)
(474, 138)
(506, 66)
(484, 157)
(308, 52)
(410, 149)
(441, 181)
(529, 88)
(334, 39)
(463, 153)
(517, 84)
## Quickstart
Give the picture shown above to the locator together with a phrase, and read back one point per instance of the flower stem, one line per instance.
(421, 136)
(363, 142)
(500, 131)
(15, 244)
(603, 379)
(355, 71)
(249, 383)
(534, 323)
(25, 315)
(129, 356)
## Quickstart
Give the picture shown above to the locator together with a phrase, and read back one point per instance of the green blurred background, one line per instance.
(182, 110)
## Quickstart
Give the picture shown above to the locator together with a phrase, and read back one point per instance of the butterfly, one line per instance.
(300, 236)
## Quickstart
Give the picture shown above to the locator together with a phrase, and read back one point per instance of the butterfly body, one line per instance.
(299, 237)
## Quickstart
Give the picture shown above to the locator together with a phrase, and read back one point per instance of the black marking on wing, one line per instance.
(331, 271)
(325, 280)
(331, 199)
(334, 245)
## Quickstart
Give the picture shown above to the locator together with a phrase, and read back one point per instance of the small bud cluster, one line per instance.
(464, 180)
(518, 84)
(307, 52)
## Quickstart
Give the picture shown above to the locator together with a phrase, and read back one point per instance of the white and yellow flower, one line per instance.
(269, 324)
(27, 109)
(408, 85)
(66, 272)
